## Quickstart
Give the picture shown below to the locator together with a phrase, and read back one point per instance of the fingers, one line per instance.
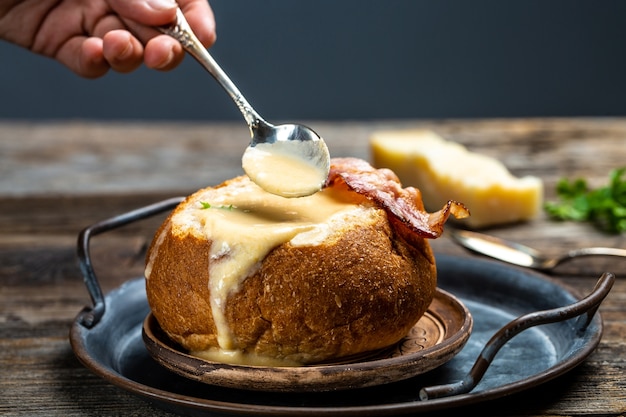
(94, 57)
(163, 52)
(146, 12)
(160, 52)
(84, 57)
(141, 16)
(122, 51)
(201, 19)
(91, 62)
(123, 41)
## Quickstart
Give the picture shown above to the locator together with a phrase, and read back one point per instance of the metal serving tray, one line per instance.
(527, 330)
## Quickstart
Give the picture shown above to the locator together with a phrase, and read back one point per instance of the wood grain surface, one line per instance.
(56, 179)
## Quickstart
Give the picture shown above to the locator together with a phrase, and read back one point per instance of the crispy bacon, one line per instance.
(403, 205)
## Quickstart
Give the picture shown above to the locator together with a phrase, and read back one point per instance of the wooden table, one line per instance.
(56, 179)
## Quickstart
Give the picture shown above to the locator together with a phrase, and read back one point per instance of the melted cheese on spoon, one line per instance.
(280, 169)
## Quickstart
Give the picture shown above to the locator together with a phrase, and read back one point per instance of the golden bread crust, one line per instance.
(360, 290)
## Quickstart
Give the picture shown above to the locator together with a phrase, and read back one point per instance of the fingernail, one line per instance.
(127, 52)
(162, 4)
(167, 61)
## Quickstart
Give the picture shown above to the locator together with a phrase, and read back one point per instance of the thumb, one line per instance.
(146, 12)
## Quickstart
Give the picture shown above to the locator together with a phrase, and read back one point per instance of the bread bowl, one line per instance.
(235, 274)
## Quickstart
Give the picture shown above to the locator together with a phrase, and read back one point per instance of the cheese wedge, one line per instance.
(445, 170)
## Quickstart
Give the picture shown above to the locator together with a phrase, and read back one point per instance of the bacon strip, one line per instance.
(403, 205)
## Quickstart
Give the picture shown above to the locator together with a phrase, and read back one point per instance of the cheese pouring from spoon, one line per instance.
(289, 160)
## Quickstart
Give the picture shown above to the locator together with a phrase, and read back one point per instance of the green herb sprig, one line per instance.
(206, 205)
(605, 207)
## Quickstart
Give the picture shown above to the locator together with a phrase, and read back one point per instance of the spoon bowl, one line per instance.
(521, 255)
(292, 151)
(289, 160)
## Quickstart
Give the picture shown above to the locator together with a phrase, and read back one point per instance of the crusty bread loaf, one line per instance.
(346, 286)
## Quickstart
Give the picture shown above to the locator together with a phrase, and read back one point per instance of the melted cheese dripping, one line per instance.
(244, 224)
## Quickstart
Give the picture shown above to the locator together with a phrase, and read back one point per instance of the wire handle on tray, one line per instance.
(585, 309)
(92, 316)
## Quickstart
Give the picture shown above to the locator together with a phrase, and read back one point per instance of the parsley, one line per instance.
(605, 207)
(206, 205)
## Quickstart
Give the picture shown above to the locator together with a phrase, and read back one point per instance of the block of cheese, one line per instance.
(445, 170)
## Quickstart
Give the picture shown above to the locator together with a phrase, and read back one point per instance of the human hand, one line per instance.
(92, 36)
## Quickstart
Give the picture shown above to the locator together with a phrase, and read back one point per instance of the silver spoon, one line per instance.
(521, 255)
(289, 160)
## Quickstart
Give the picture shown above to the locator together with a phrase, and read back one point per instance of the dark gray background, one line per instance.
(360, 59)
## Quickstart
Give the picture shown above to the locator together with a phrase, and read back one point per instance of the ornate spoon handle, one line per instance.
(181, 31)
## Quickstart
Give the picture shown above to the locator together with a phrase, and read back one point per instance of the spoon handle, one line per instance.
(598, 251)
(181, 31)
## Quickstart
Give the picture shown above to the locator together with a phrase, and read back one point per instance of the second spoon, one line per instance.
(521, 255)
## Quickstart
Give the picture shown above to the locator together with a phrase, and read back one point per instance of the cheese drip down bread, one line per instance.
(238, 275)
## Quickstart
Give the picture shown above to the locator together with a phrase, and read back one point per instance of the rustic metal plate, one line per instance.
(439, 335)
(493, 292)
